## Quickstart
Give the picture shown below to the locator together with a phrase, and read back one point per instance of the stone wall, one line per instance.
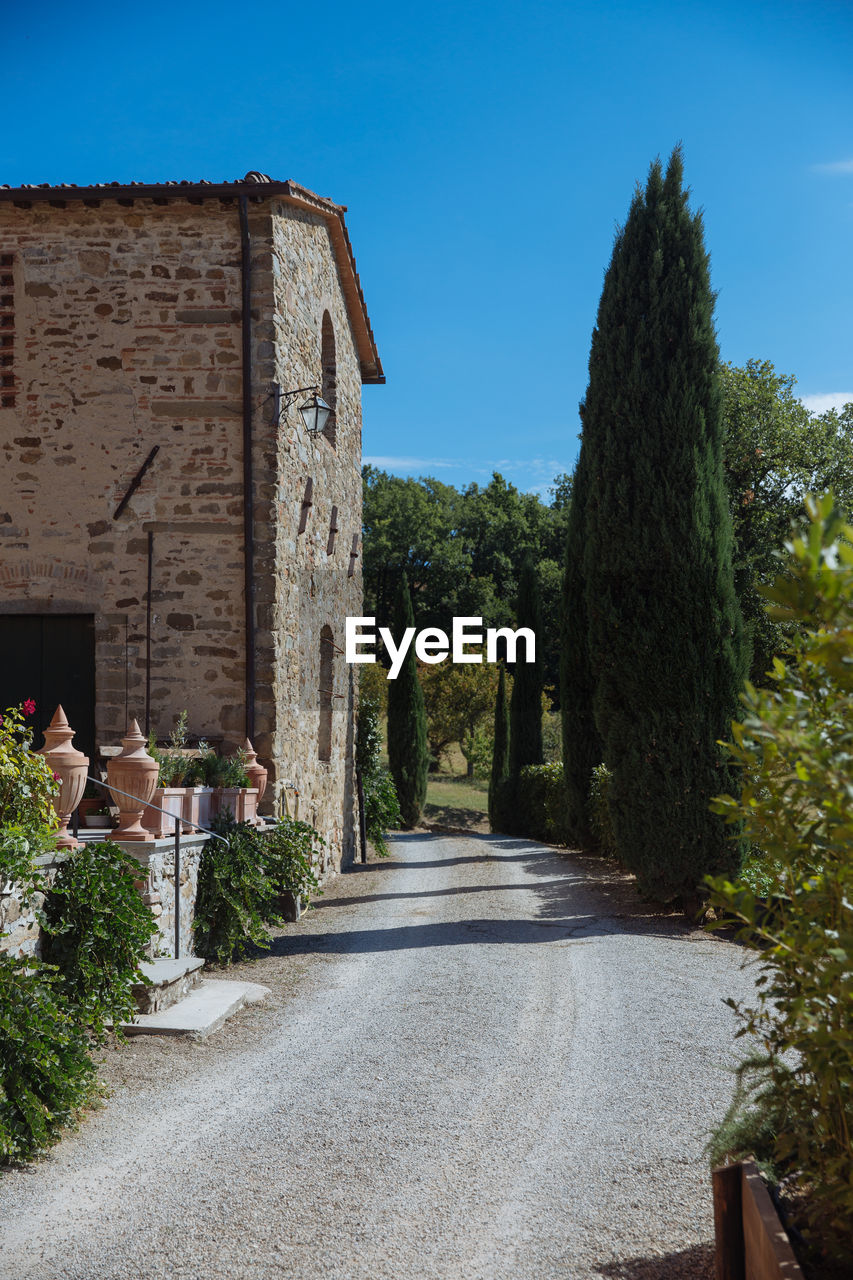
(19, 927)
(127, 334)
(156, 859)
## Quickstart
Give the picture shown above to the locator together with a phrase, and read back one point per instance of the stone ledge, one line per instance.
(200, 1013)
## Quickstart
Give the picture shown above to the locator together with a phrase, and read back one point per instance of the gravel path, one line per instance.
(481, 1061)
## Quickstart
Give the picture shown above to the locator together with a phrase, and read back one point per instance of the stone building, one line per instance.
(171, 534)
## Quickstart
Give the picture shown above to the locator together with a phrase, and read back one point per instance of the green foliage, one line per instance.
(174, 766)
(794, 747)
(46, 1073)
(27, 783)
(525, 707)
(408, 753)
(96, 930)
(540, 797)
(477, 747)
(582, 747)
(775, 452)
(241, 882)
(500, 757)
(462, 551)
(457, 699)
(381, 810)
(600, 821)
(381, 807)
(665, 633)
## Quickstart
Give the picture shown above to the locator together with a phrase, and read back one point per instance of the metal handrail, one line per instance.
(99, 782)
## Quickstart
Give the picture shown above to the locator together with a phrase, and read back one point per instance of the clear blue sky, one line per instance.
(486, 152)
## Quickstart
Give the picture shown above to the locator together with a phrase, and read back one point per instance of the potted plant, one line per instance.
(233, 793)
(100, 818)
(169, 795)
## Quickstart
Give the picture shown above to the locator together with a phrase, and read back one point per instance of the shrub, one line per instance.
(794, 748)
(540, 797)
(96, 929)
(600, 821)
(46, 1073)
(381, 809)
(381, 806)
(240, 884)
(408, 754)
(27, 783)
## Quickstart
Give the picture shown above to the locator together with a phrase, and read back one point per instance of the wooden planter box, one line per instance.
(751, 1241)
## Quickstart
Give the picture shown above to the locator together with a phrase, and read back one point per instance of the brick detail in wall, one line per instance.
(8, 384)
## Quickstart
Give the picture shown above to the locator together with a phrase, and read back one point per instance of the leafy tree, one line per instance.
(457, 699)
(775, 452)
(792, 749)
(665, 628)
(525, 708)
(408, 753)
(500, 754)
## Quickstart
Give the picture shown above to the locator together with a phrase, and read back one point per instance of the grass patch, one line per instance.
(454, 802)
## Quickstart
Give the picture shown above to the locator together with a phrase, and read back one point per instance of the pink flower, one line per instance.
(29, 707)
(56, 777)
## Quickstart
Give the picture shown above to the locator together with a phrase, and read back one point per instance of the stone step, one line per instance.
(171, 980)
(201, 1012)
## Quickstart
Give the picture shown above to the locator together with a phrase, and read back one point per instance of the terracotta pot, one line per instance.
(205, 800)
(158, 825)
(247, 805)
(257, 774)
(132, 778)
(71, 767)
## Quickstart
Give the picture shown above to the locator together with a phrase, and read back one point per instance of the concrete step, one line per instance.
(171, 981)
(201, 1012)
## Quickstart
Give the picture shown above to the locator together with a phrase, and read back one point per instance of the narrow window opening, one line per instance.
(327, 676)
(330, 379)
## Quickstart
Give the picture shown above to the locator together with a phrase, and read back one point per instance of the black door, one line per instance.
(51, 659)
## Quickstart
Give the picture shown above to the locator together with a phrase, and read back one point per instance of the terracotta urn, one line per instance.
(135, 774)
(256, 773)
(71, 767)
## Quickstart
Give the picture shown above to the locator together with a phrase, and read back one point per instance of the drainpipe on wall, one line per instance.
(248, 474)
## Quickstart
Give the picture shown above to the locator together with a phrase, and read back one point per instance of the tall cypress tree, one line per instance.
(525, 707)
(665, 629)
(408, 753)
(582, 749)
(500, 756)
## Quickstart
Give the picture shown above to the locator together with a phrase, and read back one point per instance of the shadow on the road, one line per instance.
(456, 933)
(428, 893)
(695, 1263)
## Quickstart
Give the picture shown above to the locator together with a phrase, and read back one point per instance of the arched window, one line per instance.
(327, 677)
(330, 378)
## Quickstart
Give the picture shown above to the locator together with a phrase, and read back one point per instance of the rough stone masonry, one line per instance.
(122, 329)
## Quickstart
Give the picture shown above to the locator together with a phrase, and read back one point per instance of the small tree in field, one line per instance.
(408, 753)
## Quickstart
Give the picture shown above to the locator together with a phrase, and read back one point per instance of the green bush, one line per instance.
(381, 806)
(46, 1073)
(27, 782)
(600, 822)
(381, 809)
(794, 750)
(96, 930)
(241, 882)
(540, 803)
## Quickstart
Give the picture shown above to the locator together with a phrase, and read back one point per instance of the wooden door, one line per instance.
(51, 659)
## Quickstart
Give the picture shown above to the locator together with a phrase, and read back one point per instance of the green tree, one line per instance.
(500, 755)
(457, 699)
(775, 452)
(408, 753)
(582, 748)
(665, 628)
(525, 708)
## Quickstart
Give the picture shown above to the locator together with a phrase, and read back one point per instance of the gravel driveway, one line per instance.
(482, 1060)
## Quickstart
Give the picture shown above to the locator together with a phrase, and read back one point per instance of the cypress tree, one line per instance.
(525, 707)
(500, 756)
(582, 749)
(665, 629)
(408, 753)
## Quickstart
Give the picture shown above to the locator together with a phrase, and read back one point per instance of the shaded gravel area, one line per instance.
(482, 1059)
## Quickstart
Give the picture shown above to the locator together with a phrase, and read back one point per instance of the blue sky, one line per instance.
(487, 152)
